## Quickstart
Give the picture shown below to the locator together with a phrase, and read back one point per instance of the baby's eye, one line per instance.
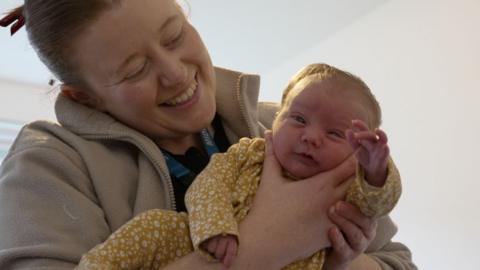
(299, 119)
(337, 134)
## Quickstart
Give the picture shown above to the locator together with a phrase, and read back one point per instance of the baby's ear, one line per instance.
(82, 96)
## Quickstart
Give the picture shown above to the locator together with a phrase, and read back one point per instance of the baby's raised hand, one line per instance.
(222, 247)
(371, 151)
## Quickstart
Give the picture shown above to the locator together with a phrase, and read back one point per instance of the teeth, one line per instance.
(185, 96)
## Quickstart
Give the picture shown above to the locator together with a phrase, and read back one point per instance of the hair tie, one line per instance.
(15, 16)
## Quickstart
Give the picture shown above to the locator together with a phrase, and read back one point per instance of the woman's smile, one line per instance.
(185, 97)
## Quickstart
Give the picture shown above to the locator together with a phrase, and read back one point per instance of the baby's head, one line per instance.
(318, 106)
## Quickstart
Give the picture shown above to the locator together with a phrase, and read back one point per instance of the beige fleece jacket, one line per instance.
(65, 188)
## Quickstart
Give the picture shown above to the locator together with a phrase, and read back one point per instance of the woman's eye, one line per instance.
(175, 40)
(137, 72)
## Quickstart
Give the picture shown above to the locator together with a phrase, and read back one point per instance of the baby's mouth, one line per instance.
(308, 159)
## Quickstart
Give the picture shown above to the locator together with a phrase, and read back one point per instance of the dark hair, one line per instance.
(54, 25)
(320, 71)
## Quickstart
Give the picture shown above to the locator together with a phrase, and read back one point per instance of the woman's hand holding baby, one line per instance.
(288, 220)
(353, 233)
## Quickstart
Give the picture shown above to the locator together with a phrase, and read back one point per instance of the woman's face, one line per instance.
(147, 66)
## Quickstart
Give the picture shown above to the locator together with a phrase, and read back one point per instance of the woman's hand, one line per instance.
(288, 220)
(350, 237)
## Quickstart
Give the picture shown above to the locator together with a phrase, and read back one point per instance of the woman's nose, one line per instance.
(172, 71)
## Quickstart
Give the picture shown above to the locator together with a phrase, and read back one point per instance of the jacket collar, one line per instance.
(237, 98)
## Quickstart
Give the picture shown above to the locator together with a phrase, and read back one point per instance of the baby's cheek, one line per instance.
(342, 154)
(281, 154)
(346, 154)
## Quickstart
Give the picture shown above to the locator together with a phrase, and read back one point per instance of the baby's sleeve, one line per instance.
(209, 198)
(375, 201)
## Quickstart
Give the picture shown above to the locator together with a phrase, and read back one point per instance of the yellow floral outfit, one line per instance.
(218, 199)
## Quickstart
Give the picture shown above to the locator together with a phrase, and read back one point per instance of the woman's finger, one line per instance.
(271, 167)
(353, 234)
(354, 215)
(339, 244)
(341, 189)
(338, 175)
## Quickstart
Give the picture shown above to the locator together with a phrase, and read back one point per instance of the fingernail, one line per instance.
(332, 209)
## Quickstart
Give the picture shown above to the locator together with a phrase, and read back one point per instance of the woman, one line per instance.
(138, 86)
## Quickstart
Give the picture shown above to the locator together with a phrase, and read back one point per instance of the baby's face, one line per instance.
(309, 132)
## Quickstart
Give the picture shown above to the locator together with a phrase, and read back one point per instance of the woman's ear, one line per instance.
(82, 96)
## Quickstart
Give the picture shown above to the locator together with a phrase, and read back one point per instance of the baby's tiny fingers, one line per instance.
(221, 249)
(385, 152)
(230, 253)
(211, 245)
(366, 135)
(382, 136)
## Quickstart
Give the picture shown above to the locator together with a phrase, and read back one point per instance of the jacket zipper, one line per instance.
(241, 104)
(160, 169)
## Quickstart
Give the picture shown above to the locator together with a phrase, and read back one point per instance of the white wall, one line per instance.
(21, 103)
(25, 102)
(422, 60)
